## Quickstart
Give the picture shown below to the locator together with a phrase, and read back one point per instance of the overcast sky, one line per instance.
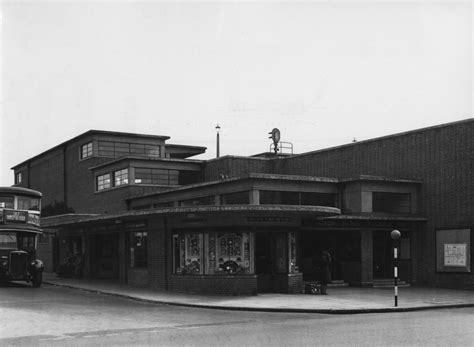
(323, 73)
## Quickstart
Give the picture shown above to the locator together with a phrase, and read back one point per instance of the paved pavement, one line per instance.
(341, 300)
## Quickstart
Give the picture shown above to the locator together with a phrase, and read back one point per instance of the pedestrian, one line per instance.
(324, 271)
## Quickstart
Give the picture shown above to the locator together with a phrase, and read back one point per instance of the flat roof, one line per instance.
(241, 178)
(88, 133)
(56, 221)
(381, 179)
(172, 160)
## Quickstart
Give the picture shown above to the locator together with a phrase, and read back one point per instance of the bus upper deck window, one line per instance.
(6, 202)
(25, 203)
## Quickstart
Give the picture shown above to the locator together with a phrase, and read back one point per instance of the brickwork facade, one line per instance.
(434, 166)
(442, 157)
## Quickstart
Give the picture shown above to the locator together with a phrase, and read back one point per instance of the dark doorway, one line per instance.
(382, 259)
(56, 261)
(344, 247)
(271, 259)
(105, 259)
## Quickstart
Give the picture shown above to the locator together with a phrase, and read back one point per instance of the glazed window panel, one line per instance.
(103, 182)
(152, 151)
(268, 197)
(26, 242)
(229, 253)
(6, 201)
(18, 178)
(8, 240)
(391, 202)
(106, 149)
(238, 198)
(156, 176)
(318, 199)
(122, 149)
(201, 201)
(26, 203)
(138, 249)
(188, 254)
(86, 150)
(143, 176)
(120, 177)
(160, 176)
(137, 149)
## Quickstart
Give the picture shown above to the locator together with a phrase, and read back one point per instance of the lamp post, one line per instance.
(395, 235)
(218, 128)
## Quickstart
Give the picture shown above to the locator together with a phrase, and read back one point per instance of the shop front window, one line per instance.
(138, 249)
(226, 253)
(187, 255)
(229, 253)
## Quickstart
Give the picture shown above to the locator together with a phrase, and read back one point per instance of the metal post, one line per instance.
(395, 235)
(395, 273)
(218, 128)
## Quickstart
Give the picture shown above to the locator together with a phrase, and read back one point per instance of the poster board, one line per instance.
(453, 250)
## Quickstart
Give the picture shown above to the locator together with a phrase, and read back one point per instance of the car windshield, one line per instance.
(8, 240)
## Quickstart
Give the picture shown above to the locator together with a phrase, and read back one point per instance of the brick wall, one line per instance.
(234, 167)
(158, 260)
(46, 176)
(138, 277)
(442, 157)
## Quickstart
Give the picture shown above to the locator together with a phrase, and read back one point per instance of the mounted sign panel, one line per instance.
(453, 250)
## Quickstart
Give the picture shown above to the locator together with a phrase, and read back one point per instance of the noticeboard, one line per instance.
(453, 250)
(455, 254)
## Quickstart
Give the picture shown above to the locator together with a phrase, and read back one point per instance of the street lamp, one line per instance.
(395, 235)
(218, 128)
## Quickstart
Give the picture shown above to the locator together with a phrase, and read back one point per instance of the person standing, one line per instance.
(325, 271)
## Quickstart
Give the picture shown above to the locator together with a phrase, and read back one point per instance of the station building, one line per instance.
(145, 213)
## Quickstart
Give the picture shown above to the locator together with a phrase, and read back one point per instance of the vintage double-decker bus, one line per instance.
(19, 231)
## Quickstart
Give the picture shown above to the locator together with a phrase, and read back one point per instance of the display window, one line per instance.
(225, 253)
(187, 254)
(232, 253)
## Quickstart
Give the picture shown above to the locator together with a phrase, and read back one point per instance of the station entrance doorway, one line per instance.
(271, 259)
(104, 255)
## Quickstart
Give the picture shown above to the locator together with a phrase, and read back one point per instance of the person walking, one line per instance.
(324, 271)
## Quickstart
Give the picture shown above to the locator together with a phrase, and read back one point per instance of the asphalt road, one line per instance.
(58, 316)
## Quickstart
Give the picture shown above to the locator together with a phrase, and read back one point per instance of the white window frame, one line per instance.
(119, 179)
(101, 182)
(86, 150)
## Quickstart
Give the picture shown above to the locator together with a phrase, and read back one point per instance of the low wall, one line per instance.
(230, 285)
(138, 277)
